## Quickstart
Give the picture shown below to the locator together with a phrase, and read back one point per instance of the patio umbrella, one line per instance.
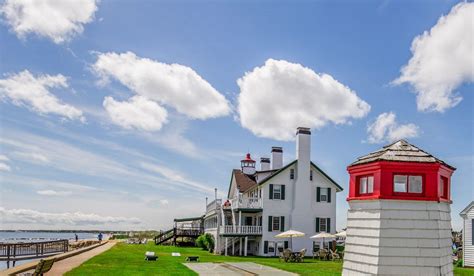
(341, 234)
(323, 235)
(290, 234)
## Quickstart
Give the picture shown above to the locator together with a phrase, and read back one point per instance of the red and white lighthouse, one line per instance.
(399, 220)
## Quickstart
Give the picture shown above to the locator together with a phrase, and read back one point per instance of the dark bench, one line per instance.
(192, 259)
(43, 266)
(150, 256)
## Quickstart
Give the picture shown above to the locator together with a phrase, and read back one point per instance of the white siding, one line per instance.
(398, 238)
(468, 248)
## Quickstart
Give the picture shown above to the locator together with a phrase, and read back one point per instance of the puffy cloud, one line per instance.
(164, 202)
(173, 85)
(5, 167)
(386, 129)
(25, 89)
(139, 113)
(442, 60)
(56, 20)
(54, 193)
(4, 158)
(28, 216)
(280, 96)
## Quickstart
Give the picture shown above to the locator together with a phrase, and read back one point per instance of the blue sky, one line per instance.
(112, 143)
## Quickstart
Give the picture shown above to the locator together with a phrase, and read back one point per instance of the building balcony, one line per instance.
(245, 204)
(213, 206)
(241, 230)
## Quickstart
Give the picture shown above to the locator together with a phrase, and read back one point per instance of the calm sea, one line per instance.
(11, 237)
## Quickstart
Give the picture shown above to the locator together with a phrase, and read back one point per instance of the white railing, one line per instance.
(249, 203)
(243, 230)
(214, 205)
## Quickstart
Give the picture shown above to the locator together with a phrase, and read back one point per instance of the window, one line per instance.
(271, 247)
(292, 174)
(311, 175)
(366, 185)
(408, 184)
(276, 224)
(276, 191)
(443, 187)
(322, 225)
(324, 195)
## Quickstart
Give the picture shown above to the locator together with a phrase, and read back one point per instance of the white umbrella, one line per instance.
(323, 235)
(341, 234)
(290, 234)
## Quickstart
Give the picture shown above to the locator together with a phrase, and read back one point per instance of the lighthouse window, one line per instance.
(443, 187)
(408, 183)
(366, 185)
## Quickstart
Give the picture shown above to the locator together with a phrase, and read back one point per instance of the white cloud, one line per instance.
(164, 202)
(56, 20)
(5, 167)
(138, 112)
(173, 85)
(30, 156)
(386, 129)
(4, 158)
(27, 216)
(442, 60)
(53, 193)
(280, 96)
(25, 89)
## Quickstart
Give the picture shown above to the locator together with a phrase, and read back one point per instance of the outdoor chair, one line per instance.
(323, 254)
(42, 267)
(150, 256)
(301, 255)
(333, 255)
(285, 255)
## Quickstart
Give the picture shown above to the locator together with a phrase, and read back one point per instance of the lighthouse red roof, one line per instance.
(399, 151)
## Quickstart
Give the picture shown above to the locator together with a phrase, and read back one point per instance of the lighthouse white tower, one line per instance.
(399, 220)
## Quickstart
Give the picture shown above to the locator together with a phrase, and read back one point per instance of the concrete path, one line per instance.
(235, 268)
(63, 266)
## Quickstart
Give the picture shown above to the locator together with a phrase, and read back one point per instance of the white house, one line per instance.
(468, 235)
(263, 203)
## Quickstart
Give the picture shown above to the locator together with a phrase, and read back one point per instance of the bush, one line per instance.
(206, 242)
(200, 242)
(459, 263)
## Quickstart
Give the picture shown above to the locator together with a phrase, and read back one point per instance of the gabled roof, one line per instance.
(464, 212)
(294, 162)
(399, 151)
(244, 182)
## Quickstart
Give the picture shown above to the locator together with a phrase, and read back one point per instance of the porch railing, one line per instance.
(214, 205)
(242, 230)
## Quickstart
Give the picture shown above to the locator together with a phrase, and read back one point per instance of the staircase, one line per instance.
(165, 236)
(175, 233)
(221, 250)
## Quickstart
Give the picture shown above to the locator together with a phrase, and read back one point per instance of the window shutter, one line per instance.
(286, 245)
(270, 221)
(271, 191)
(282, 224)
(317, 225)
(282, 192)
(265, 247)
(318, 195)
(328, 225)
(329, 195)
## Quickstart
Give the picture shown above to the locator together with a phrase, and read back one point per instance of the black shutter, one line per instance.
(329, 194)
(282, 192)
(270, 221)
(286, 245)
(328, 225)
(317, 225)
(282, 224)
(271, 191)
(318, 194)
(265, 247)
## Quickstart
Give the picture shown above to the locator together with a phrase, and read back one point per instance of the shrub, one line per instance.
(459, 263)
(200, 242)
(206, 242)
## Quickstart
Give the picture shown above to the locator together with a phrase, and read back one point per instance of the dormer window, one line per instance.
(408, 184)
(366, 185)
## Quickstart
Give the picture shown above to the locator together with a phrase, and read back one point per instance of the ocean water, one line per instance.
(23, 236)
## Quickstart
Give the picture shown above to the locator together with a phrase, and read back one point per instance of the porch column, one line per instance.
(226, 244)
(233, 247)
(240, 247)
(240, 221)
(245, 245)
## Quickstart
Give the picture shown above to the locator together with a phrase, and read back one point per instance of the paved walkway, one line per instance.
(63, 266)
(235, 268)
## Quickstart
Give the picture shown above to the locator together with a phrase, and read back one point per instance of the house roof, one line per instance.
(464, 212)
(188, 219)
(399, 151)
(243, 181)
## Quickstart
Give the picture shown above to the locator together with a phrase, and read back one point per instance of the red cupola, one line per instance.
(400, 171)
(248, 165)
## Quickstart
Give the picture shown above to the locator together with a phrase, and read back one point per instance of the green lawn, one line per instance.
(125, 259)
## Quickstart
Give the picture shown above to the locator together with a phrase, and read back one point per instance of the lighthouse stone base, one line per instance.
(398, 237)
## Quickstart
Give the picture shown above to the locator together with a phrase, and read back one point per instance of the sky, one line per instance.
(126, 114)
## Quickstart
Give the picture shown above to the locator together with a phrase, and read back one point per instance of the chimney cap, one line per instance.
(264, 160)
(303, 130)
(277, 149)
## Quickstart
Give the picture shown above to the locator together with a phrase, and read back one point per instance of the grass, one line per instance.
(125, 259)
